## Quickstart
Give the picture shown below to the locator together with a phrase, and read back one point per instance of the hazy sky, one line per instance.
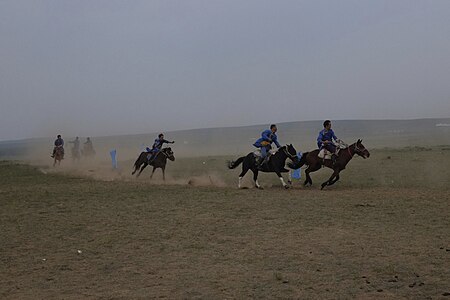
(124, 67)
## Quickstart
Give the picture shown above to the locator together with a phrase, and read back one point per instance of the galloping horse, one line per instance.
(59, 155)
(159, 161)
(314, 162)
(75, 154)
(276, 164)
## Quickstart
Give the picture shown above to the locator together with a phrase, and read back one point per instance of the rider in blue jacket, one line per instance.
(59, 143)
(325, 139)
(265, 143)
(157, 145)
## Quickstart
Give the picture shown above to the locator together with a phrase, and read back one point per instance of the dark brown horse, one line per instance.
(59, 155)
(314, 162)
(159, 161)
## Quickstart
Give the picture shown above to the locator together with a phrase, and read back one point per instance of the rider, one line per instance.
(265, 144)
(325, 140)
(59, 143)
(76, 144)
(157, 145)
(88, 148)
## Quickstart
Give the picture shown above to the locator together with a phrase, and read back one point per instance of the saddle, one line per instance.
(257, 152)
(325, 154)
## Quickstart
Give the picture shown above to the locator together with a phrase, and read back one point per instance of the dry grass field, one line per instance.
(382, 232)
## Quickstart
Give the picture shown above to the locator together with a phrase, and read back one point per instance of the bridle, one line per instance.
(356, 150)
(285, 150)
(163, 151)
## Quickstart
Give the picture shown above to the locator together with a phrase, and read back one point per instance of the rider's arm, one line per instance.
(275, 140)
(266, 135)
(334, 136)
(320, 138)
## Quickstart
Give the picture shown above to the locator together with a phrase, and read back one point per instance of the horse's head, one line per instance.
(361, 150)
(290, 152)
(169, 153)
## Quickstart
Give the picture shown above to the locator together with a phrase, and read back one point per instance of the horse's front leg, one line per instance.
(164, 173)
(153, 172)
(255, 178)
(336, 179)
(330, 180)
(290, 178)
(282, 180)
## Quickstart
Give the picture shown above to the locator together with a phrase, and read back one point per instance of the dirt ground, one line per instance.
(70, 236)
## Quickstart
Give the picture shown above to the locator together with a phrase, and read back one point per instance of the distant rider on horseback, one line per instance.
(76, 144)
(59, 143)
(265, 144)
(157, 145)
(325, 140)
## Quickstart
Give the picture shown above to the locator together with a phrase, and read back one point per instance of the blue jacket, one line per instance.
(325, 135)
(158, 144)
(268, 137)
(59, 142)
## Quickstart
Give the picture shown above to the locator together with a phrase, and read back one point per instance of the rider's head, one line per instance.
(77, 138)
(59, 136)
(273, 127)
(161, 136)
(327, 124)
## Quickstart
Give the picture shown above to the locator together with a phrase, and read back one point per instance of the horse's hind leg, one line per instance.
(142, 169)
(244, 171)
(136, 167)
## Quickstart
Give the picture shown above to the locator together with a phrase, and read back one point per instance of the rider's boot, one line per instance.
(261, 162)
(334, 158)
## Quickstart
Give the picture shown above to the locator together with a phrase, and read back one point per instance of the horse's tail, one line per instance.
(300, 163)
(234, 163)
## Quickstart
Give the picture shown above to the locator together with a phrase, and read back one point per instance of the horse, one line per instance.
(75, 154)
(159, 161)
(276, 164)
(88, 151)
(59, 155)
(314, 162)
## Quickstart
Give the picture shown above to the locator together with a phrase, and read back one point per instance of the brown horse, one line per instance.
(59, 155)
(159, 161)
(314, 162)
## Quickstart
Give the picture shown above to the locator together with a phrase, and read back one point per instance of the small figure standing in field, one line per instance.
(157, 145)
(325, 140)
(265, 144)
(59, 145)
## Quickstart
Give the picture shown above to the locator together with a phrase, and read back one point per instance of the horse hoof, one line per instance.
(286, 187)
(260, 188)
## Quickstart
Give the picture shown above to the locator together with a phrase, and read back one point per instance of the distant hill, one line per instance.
(239, 140)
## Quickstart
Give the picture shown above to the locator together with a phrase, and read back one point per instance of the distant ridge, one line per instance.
(239, 139)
